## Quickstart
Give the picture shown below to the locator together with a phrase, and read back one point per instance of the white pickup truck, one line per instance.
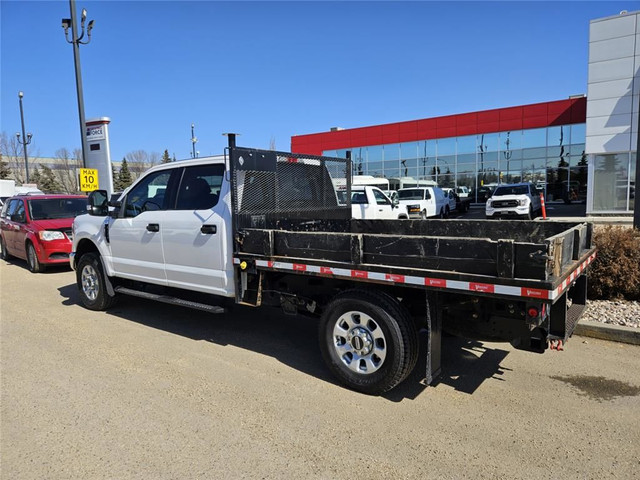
(370, 203)
(424, 202)
(264, 228)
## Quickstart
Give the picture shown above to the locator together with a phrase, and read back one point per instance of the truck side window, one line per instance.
(149, 194)
(380, 198)
(200, 187)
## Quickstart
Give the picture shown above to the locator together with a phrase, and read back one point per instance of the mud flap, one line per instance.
(566, 312)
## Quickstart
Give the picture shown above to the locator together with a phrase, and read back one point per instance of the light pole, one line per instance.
(26, 139)
(507, 154)
(194, 140)
(76, 42)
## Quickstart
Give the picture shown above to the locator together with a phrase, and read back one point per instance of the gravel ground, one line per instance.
(614, 312)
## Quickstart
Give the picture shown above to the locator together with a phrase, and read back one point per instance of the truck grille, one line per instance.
(504, 203)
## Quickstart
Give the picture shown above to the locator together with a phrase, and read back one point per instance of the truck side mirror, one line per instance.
(98, 203)
(395, 202)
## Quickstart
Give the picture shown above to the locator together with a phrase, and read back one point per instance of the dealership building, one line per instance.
(582, 148)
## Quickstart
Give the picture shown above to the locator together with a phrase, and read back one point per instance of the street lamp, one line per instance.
(77, 41)
(26, 139)
(194, 140)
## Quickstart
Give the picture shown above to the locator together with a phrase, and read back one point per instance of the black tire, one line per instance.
(441, 215)
(32, 259)
(91, 283)
(530, 216)
(385, 329)
(447, 212)
(4, 253)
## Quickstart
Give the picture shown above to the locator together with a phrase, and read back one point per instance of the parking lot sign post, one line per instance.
(88, 179)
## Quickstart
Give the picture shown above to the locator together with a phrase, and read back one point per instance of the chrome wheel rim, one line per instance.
(90, 281)
(359, 342)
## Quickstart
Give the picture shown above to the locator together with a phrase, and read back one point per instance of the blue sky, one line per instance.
(270, 70)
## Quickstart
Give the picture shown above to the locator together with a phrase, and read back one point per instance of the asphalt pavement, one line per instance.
(150, 391)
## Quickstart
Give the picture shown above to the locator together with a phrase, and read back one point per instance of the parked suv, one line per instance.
(38, 228)
(514, 200)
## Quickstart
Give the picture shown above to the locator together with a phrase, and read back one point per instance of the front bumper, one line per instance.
(53, 252)
(518, 212)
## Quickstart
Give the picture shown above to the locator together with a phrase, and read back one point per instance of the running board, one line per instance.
(169, 299)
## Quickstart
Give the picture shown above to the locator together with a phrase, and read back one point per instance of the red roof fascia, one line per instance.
(560, 112)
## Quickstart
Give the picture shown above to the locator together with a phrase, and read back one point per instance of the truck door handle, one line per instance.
(153, 227)
(208, 229)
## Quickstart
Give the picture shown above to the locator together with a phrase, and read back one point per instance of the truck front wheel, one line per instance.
(368, 340)
(91, 282)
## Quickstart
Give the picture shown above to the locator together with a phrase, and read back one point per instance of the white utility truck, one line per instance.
(265, 228)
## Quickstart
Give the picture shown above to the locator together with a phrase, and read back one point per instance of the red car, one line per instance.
(37, 228)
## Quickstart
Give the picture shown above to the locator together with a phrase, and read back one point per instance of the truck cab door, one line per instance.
(197, 233)
(383, 207)
(135, 236)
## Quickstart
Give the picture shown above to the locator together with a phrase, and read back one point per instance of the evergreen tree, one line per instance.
(49, 182)
(36, 177)
(165, 157)
(5, 171)
(124, 177)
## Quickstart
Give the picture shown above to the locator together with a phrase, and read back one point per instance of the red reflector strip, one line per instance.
(425, 281)
(359, 274)
(435, 282)
(394, 278)
(481, 287)
(534, 293)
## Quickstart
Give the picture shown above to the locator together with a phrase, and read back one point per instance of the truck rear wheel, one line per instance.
(91, 282)
(368, 340)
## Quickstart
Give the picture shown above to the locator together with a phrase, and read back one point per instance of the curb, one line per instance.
(604, 331)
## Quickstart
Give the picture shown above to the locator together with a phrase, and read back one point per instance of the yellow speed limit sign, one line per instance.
(88, 179)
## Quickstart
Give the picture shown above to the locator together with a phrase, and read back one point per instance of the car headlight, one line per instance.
(489, 203)
(523, 202)
(48, 235)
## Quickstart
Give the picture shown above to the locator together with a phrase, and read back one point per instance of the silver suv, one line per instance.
(521, 200)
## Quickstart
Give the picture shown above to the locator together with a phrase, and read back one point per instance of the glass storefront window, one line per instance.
(467, 144)
(611, 182)
(374, 154)
(446, 146)
(467, 158)
(446, 181)
(427, 148)
(534, 152)
(533, 138)
(488, 142)
(391, 151)
(557, 136)
(510, 141)
(409, 150)
(374, 168)
(446, 164)
(579, 133)
(633, 190)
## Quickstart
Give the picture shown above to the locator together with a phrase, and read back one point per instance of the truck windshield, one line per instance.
(411, 194)
(51, 208)
(513, 190)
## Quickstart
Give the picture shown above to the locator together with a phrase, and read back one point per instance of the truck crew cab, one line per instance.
(265, 228)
